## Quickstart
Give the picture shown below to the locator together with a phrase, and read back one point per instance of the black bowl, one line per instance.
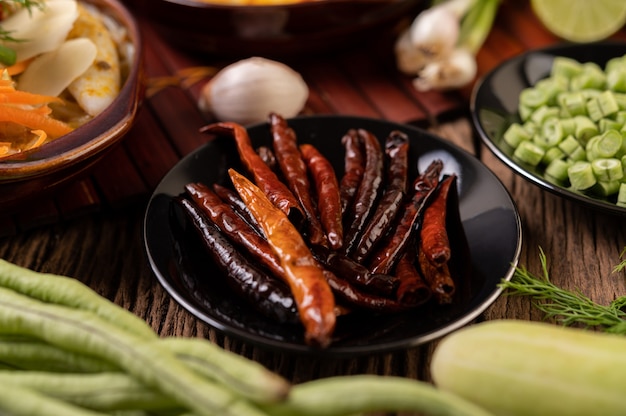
(490, 221)
(494, 106)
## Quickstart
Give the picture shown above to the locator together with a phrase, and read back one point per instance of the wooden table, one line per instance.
(95, 235)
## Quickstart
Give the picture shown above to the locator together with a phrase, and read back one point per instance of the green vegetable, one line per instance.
(567, 307)
(577, 113)
(105, 392)
(245, 377)
(348, 395)
(533, 368)
(19, 401)
(82, 331)
(70, 292)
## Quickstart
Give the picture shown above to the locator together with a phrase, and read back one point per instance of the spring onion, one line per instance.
(441, 44)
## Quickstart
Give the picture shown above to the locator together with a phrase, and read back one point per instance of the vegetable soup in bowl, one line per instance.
(68, 98)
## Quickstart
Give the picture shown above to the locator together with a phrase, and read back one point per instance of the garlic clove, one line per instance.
(247, 91)
(454, 71)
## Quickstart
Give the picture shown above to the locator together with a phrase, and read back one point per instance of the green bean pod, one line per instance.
(244, 377)
(84, 332)
(20, 401)
(104, 392)
(356, 394)
(62, 290)
(31, 354)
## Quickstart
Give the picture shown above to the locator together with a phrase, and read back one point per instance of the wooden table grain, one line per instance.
(103, 247)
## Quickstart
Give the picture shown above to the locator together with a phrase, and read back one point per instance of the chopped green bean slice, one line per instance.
(585, 129)
(529, 153)
(581, 175)
(557, 169)
(605, 188)
(552, 154)
(533, 98)
(573, 102)
(515, 134)
(608, 124)
(609, 144)
(616, 79)
(621, 195)
(566, 67)
(608, 103)
(606, 170)
(543, 113)
(594, 111)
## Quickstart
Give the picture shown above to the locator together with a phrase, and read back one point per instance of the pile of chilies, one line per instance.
(326, 246)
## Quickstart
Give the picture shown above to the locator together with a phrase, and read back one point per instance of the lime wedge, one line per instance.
(581, 20)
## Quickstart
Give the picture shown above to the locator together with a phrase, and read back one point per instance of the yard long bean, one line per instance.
(83, 331)
(243, 376)
(102, 391)
(67, 291)
(358, 394)
(20, 401)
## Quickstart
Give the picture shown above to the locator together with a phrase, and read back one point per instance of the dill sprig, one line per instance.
(567, 307)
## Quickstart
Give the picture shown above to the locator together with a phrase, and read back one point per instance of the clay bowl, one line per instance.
(44, 169)
(294, 29)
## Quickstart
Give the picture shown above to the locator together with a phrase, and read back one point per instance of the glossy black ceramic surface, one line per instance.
(489, 216)
(494, 105)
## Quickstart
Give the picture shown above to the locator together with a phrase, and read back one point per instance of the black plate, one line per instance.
(495, 98)
(490, 220)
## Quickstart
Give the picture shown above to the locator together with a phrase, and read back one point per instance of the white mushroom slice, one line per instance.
(40, 30)
(98, 86)
(52, 72)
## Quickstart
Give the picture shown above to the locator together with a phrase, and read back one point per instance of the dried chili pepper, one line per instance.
(268, 156)
(435, 243)
(231, 197)
(233, 226)
(413, 289)
(295, 173)
(355, 273)
(367, 193)
(327, 191)
(266, 294)
(354, 166)
(275, 190)
(314, 297)
(385, 257)
(438, 278)
(358, 299)
(397, 151)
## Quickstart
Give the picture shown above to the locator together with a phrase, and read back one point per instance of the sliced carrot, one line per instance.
(19, 67)
(33, 120)
(23, 97)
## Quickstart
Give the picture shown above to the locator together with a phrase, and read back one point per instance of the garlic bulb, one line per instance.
(456, 70)
(247, 91)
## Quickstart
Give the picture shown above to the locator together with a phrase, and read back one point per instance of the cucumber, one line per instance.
(512, 367)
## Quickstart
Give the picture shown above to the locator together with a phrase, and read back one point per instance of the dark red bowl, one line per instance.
(42, 170)
(274, 30)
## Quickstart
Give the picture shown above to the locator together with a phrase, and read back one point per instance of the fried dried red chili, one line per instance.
(232, 198)
(275, 190)
(305, 276)
(327, 191)
(385, 257)
(397, 152)
(355, 273)
(233, 226)
(438, 279)
(269, 296)
(413, 289)
(367, 192)
(354, 166)
(435, 243)
(294, 171)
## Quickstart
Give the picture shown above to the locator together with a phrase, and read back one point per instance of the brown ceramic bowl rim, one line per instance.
(299, 5)
(98, 134)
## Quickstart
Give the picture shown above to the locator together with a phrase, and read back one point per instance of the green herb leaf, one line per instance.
(567, 307)
(7, 56)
